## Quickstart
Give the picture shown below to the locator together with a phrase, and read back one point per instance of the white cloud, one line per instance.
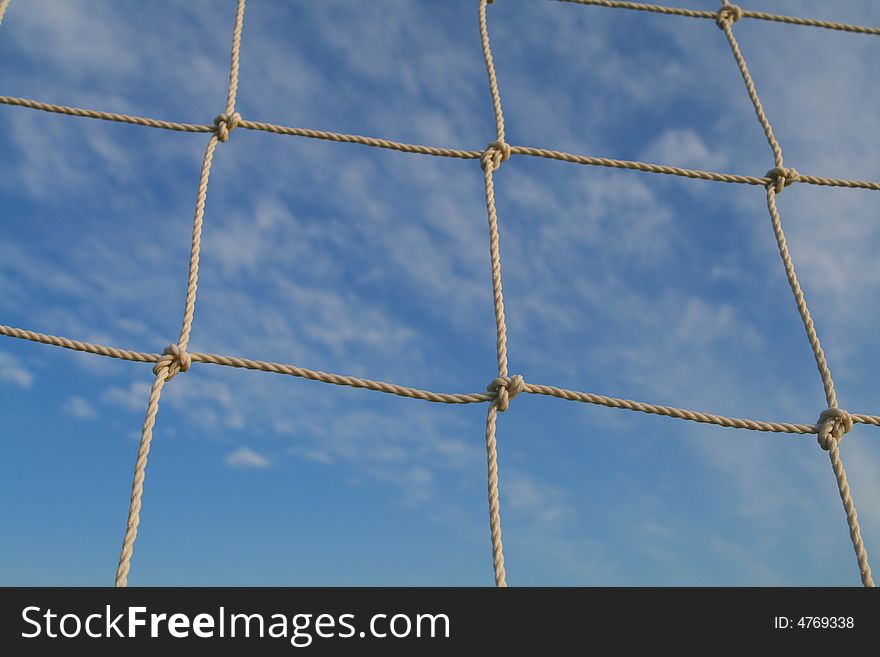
(417, 483)
(13, 372)
(133, 398)
(80, 408)
(207, 400)
(334, 325)
(682, 147)
(543, 502)
(245, 457)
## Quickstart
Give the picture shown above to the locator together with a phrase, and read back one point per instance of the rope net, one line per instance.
(833, 422)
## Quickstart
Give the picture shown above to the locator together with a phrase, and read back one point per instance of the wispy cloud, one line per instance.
(132, 398)
(80, 408)
(682, 147)
(13, 372)
(244, 457)
(541, 501)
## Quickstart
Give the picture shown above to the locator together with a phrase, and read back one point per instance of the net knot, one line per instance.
(833, 423)
(781, 177)
(226, 123)
(505, 389)
(728, 15)
(496, 153)
(174, 360)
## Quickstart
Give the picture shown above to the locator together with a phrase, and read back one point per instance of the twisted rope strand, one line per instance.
(800, 301)
(830, 394)
(176, 358)
(686, 173)
(196, 244)
(834, 422)
(490, 70)
(76, 345)
(724, 23)
(360, 139)
(865, 419)
(234, 57)
(852, 517)
(810, 22)
(495, 154)
(137, 484)
(437, 151)
(104, 116)
(427, 395)
(669, 411)
(343, 380)
(640, 166)
(494, 503)
(839, 182)
(746, 13)
(642, 6)
(495, 260)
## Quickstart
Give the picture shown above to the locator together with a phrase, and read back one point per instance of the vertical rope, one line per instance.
(725, 24)
(189, 306)
(201, 197)
(233, 65)
(490, 69)
(800, 301)
(137, 484)
(495, 259)
(849, 507)
(852, 517)
(497, 152)
(494, 502)
(176, 359)
(501, 348)
(780, 177)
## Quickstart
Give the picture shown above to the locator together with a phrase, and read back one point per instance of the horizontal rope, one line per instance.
(76, 345)
(438, 151)
(640, 166)
(686, 173)
(838, 182)
(427, 395)
(359, 139)
(685, 414)
(668, 411)
(342, 380)
(865, 419)
(248, 125)
(746, 13)
(810, 22)
(642, 6)
(105, 116)
(246, 363)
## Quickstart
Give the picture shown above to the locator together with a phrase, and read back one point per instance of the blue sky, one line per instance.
(375, 263)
